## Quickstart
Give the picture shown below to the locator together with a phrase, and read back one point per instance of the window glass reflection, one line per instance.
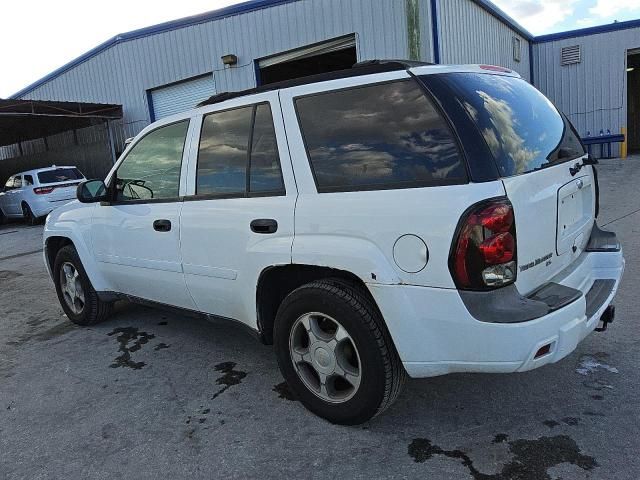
(381, 135)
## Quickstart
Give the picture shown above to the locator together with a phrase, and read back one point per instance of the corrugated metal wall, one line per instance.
(593, 92)
(470, 34)
(123, 73)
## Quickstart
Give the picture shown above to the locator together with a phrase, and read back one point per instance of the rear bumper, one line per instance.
(435, 333)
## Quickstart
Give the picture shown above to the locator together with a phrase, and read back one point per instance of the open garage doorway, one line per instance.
(329, 56)
(633, 101)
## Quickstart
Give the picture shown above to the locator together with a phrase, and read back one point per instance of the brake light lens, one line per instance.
(42, 190)
(484, 252)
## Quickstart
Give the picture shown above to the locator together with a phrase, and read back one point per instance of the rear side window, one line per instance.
(377, 137)
(28, 180)
(59, 175)
(238, 154)
(522, 128)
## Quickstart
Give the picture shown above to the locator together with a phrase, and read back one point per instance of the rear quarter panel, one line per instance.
(356, 231)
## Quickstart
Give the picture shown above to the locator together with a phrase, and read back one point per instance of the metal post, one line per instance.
(112, 144)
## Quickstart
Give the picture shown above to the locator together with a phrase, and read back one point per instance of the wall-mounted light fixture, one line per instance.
(229, 59)
(630, 69)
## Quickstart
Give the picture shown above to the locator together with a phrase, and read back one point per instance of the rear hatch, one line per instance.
(541, 160)
(59, 184)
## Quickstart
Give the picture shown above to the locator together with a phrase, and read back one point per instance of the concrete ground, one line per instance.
(150, 394)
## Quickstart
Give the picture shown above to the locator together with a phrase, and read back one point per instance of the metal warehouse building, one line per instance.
(167, 68)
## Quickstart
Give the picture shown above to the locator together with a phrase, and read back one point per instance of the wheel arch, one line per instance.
(55, 240)
(276, 282)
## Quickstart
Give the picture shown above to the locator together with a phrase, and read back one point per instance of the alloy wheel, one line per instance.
(71, 287)
(325, 357)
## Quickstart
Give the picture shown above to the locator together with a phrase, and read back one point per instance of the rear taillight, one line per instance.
(484, 252)
(42, 190)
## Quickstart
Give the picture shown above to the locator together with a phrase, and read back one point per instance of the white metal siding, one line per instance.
(181, 96)
(123, 73)
(593, 93)
(470, 34)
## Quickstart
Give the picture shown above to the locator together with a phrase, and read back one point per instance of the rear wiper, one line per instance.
(590, 160)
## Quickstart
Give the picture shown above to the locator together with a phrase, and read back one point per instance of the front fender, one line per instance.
(356, 255)
(73, 222)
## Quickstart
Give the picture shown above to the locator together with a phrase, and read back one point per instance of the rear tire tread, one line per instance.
(395, 374)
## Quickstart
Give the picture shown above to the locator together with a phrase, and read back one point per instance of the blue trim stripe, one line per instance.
(611, 27)
(531, 70)
(435, 31)
(504, 18)
(232, 10)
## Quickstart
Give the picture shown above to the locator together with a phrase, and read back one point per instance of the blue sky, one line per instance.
(59, 31)
(549, 16)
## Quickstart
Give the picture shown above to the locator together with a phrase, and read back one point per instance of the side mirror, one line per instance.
(92, 191)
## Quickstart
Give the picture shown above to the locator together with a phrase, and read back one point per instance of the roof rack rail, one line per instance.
(361, 68)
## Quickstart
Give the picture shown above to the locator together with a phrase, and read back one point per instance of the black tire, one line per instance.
(383, 374)
(94, 310)
(27, 213)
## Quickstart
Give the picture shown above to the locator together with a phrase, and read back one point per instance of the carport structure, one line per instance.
(36, 133)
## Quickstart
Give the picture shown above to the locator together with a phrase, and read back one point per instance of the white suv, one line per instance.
(387, 220)
(33, 194)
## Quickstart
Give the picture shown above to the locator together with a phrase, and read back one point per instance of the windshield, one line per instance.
(59, 175)
(522, 128)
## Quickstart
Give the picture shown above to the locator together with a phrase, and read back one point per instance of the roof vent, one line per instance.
(570, 55)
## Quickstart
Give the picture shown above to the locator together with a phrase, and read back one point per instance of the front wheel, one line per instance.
(335, 352)
(77, 297)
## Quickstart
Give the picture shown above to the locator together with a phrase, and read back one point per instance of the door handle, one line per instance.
(264, 225)
(162, 225)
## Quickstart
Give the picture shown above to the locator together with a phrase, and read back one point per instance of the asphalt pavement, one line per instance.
(153, 394)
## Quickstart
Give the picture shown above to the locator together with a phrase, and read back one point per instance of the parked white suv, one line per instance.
(382, 221)
(33, 194)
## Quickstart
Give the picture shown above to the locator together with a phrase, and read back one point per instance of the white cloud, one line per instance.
(609, 8)
(539, 16)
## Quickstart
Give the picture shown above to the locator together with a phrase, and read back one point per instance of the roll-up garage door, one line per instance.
(182, 96)
(328, 56)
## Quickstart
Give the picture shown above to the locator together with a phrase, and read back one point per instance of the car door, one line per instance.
(6, 197)
(17, 195)
(136, 236)
(237, 218)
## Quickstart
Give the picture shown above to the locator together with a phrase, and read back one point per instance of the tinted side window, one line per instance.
(223, 152)
(28, 180)
(235, 159)
(151, 170)
(380, 136)
(265, 171)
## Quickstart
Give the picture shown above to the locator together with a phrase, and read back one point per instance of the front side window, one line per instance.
(379, 136)
(522, 128)
(151, 170)
(17, 183)
(238, 153)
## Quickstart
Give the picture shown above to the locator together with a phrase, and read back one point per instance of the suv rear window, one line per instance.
(522, 128)
(379, 136)
(59, 175)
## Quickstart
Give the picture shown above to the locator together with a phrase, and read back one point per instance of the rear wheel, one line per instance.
(335, 353)
(27, 213)
(77, 297)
